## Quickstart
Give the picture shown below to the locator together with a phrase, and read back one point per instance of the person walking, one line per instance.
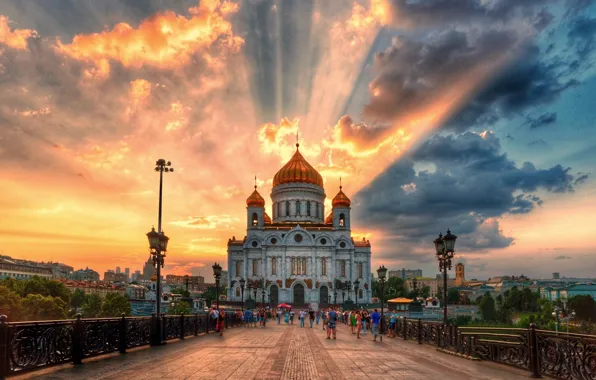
(358, 324)
(221, 322)
(311, 317)
(365, 321)
(301, 316)
(331, 325)
(278, 316)
(318, 315)
(292, 314)
(376, 323)
(324, 315)
(353, 321)
(287, 317)
(392, 323)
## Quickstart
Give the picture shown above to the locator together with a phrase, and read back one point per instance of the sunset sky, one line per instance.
(474, 115)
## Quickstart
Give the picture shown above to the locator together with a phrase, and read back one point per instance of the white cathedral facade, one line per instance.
(299, 256)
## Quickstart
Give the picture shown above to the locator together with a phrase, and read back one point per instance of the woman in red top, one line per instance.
(221, 322)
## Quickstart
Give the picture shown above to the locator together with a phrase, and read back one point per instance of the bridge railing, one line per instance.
(27, 346)
(558, 355)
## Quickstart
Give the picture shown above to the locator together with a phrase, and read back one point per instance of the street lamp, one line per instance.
(381, 273)
(557, 314)
(445, 250)
(217, 274)
(334, 296)
(569, 316)
(356, 284)
(249, 289)
(242, 282)
(158, 246)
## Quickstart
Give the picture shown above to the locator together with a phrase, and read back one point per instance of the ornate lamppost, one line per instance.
(445, 249)
(217, 274)
(557, 315)
(356, 284)
(249, 289)
(381, 273)
(242, 282)
(158, 246)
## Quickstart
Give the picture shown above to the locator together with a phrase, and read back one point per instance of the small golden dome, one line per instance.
(329, 219)
(255, 199)
(266, 218)
(341, 200)
(297, 170)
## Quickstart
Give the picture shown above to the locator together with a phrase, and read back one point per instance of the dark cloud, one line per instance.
(471, 184)
(542, 120)
(582, 35)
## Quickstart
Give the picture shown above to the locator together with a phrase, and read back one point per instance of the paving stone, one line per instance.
(282, 352)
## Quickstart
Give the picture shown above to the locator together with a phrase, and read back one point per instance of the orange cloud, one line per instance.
(17, 38)
(163, 40)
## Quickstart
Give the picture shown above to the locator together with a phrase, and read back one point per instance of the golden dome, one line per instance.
(266, 218)
(297, 170)
(255, 199)
(341, 200)
(329, 219)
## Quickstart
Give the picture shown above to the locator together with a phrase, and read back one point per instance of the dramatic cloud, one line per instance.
(542, 120)
(464, 182)
(15, 38)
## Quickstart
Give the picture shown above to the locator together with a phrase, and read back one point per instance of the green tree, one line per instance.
(180, 307)
(38, 308)
(584, 307)
(10, 304)
(425, 292)
(394, 287)
(453, 296)
(77, 299)
(487, 309)
(114, 305)
(92, 306)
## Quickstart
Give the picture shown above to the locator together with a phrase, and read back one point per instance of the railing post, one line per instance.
(196, 324)
(164, 331)
(534, 357)
(438, 335)
(154, 330)
(419, 331)
(78, 333)
(4, 347)
(405, 328)
(122, 340)
(181, 325)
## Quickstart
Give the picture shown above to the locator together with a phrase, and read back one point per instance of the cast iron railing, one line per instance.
(27, 346)
(558, 355)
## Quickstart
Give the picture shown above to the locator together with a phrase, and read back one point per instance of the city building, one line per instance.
(110, 276)
(22, 269)
(85, 275)
(405, 273)
(556, 276)
(460, 276)
(135, 292)
(224, 277)
(117, 269)
(195, 283)
(93, 287)
(148, 269)
(127, 272)
(434, 284)
(568, 291)
(136, 276)
(298, 252)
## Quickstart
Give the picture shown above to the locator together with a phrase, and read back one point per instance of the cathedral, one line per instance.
(299, 256)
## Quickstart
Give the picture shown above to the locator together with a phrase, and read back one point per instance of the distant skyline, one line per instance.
(477, 116)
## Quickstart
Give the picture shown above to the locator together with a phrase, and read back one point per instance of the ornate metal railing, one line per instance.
(27, 346)
(558, 355)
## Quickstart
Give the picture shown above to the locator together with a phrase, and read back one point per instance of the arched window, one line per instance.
(293, 266)
(278, 209)
(323, 267)
(343, 268)
(359, 270)
(238, 269)
(342, 220)
(308, 208)
(287, 208)
(360, 294)
(274, 265)
(297, 207)
(317, 209)
(255, 219)
(237, 292)
(255, 268)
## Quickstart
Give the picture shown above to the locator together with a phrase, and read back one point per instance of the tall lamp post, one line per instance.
(249, 289)
(356, 284)
(242, 283)
(217, 274)
(445, 249)
(381, 273)
(570, 315)
(557, 314)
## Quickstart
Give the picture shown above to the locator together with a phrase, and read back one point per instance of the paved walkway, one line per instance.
(282, 352)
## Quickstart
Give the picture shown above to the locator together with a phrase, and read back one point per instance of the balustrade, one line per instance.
(558, 355)
(27, 346)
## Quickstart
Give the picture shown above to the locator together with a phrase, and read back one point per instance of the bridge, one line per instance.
(118, 348)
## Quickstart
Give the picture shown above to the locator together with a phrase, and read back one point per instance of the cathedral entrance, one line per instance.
(298, 295)
(324, 296)
(274, 293)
